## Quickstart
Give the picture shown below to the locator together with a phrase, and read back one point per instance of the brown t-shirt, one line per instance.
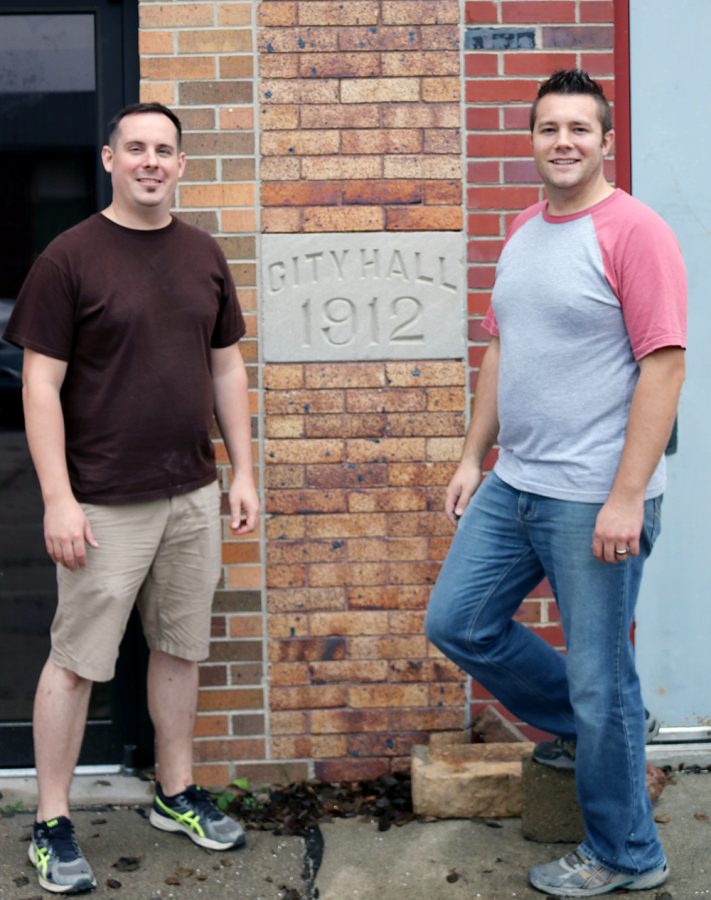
(135, 314)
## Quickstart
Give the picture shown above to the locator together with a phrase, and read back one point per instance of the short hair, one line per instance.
(137, 108)
(574, 81)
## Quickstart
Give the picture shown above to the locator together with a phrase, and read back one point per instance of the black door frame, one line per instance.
(127, 738)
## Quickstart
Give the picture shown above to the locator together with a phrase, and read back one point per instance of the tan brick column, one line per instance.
(360, 132)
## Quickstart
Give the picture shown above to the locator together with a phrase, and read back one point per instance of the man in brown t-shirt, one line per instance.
(129, 322)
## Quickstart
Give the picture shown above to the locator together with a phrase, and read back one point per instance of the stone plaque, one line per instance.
(360, 296)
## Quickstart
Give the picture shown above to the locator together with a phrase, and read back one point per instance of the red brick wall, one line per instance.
(501, 179)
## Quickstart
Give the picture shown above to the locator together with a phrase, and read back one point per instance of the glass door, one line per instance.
(64, 69)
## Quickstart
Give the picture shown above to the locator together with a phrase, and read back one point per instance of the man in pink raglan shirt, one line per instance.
(579, 385)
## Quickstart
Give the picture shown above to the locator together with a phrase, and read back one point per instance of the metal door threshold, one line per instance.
(680, 734)
(91, 786)
(80, 770)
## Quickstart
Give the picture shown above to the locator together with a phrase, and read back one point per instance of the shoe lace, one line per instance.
(63, 842)
(575, 858)
(201, 800)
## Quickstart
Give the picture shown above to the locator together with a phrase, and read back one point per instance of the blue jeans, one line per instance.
(506, 542)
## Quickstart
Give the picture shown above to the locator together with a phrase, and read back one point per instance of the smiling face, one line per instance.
(145, 163)
(569, 150)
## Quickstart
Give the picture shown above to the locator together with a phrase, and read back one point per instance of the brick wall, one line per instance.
(357, 455)
(360, 132)
(318, 664)
(509, 47)
(361, 118)
(200, 58)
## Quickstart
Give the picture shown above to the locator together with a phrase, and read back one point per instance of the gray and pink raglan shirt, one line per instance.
(578, 301)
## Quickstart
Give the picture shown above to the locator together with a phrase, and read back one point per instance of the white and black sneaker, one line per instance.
(61, 866)
(193, 813)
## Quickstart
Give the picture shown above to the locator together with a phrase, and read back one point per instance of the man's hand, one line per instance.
(66, 533)
(617, 528)
(460, 490)
(244, 505)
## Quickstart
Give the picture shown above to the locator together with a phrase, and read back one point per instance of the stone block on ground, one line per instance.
(491, 727)
(468, 780)
(550, 805)
(551, 812)
(444, 740)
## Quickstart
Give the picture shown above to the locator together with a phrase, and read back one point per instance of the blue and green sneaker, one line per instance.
(61, 866)
(193, 812)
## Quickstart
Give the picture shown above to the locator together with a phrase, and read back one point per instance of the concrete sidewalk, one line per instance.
(347, 859)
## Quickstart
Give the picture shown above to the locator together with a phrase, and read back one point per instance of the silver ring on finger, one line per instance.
(624, 552)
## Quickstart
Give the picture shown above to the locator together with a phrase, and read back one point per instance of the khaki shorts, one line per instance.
(164, 555)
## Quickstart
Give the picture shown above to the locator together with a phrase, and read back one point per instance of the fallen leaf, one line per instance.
(662, 818)
(113, 883)
(452, 876)
(296, 809)
(701, 817)
(172, 879)
(289, 893)
(127, 863)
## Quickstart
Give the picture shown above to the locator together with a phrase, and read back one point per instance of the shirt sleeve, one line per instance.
(490, 324)
(230, 325)
(645, 269)
(43, 316)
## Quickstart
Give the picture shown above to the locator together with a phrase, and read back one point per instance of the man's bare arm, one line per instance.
(654, 405)
(66, 528)
(232, 409)
(481, 436)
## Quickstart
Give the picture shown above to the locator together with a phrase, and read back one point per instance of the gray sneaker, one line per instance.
(60, 864)
(557, 754)
(194, 813)
(577, 875)
(560, 753)
(653, 726)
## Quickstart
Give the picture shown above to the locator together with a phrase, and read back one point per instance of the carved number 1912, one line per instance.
(340, 320)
